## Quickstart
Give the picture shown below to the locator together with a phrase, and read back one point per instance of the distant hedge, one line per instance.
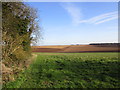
(19, 25)
(104, 44)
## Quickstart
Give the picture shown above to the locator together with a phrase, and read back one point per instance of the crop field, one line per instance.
(76, 48)
(70, 70)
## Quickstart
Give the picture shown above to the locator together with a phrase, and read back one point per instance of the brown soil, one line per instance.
(75, 48)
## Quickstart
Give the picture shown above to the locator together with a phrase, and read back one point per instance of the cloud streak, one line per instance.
(77, 15)
(73, 11)
(101, 18)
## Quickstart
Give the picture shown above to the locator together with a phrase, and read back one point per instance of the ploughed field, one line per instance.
(76, 48)
(70, 70)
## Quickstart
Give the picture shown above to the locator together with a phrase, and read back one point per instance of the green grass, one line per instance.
(70, 70)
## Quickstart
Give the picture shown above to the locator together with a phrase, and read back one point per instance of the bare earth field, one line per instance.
(76, 48)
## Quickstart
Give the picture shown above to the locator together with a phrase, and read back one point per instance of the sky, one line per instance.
(66, 23)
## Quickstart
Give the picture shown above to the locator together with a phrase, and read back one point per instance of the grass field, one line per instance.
(70, 70)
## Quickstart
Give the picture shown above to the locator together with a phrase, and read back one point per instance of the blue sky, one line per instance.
(65, 23)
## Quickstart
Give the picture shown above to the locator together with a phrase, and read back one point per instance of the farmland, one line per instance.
(76, 48)
(70, 70)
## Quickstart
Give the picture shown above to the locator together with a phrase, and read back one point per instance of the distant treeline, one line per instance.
(115, 44)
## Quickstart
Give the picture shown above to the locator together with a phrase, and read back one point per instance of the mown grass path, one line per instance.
(70, 70)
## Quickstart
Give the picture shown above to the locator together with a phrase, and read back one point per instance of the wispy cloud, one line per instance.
(74, 12)
(101, 18)
(76, 15)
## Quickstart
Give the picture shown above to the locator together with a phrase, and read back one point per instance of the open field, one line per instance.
(70, 70)
(75, 48)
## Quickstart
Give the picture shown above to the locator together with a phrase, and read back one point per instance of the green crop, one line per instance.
(70, 70)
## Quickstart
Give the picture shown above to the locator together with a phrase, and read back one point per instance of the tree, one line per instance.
(18, 25)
